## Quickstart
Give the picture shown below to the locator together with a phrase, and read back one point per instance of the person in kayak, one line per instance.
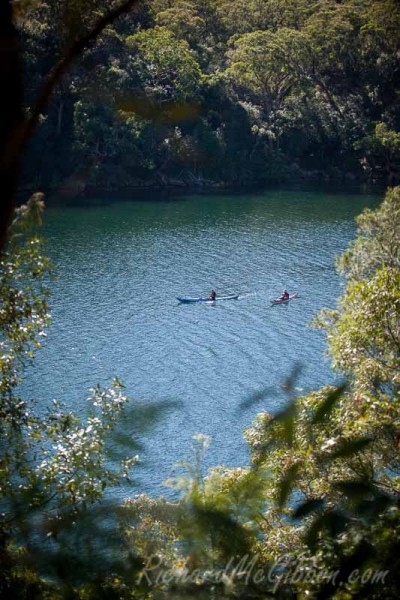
(284, 295)
(213, 295)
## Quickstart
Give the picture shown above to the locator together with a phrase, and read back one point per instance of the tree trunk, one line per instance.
(11, 115)
(15, 132)
(60, 111)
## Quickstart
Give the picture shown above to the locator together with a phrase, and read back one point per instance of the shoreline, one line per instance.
(154, 192)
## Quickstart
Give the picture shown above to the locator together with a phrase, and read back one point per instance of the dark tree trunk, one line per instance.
(15, 132)
(11, 114)
(60, 111)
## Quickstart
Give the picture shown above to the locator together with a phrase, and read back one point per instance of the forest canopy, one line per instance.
(216, 93)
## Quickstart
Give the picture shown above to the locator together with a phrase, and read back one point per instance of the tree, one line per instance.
(184, 20)
(165, 66)
(381, 151)
(241, 17)
(15, 130)
(259, 62)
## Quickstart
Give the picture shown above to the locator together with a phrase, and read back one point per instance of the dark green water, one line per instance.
(119, 268)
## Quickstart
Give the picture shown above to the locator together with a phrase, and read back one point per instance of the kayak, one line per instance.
(280, 301)
(235, 297)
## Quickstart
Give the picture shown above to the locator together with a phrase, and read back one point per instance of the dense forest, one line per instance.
(213, 93)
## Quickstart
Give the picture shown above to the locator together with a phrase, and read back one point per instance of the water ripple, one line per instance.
(120, 268)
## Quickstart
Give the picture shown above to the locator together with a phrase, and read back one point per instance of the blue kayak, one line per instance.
(235, 297)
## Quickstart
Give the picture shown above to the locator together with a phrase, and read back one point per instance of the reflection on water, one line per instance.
(119, 268)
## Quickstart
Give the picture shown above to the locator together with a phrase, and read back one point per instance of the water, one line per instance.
(120, 266)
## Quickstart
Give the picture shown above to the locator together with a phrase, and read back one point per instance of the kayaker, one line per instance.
(213, 295)
(285, 295)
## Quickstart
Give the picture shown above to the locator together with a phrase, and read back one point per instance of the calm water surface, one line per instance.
(119, 268)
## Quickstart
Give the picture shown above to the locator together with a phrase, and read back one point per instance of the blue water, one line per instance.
(120, 266)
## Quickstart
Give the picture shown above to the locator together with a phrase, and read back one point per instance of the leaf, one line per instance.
(350, 447)
(354, 489)
(141, 418)
(371, 509)
(306, 508)
(256, 397)
(359, 559)
(288, 385)
(333, 523)
(228, 535)
(327, 405)
(287, 418)
(287, 482)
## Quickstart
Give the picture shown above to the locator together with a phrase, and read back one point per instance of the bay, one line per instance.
(120, 266)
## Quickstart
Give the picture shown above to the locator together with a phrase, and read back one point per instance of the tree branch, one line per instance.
(23, 130)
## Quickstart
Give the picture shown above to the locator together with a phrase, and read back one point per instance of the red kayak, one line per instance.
(280, 301)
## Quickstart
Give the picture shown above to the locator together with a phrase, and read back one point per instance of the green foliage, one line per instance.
(369, 353)
(183, 19)
(377, 244)
(284, 89)
(23, 313)
(165, 65)
(372, 265)
(49, 457)
(260, 61)
(382, 151)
